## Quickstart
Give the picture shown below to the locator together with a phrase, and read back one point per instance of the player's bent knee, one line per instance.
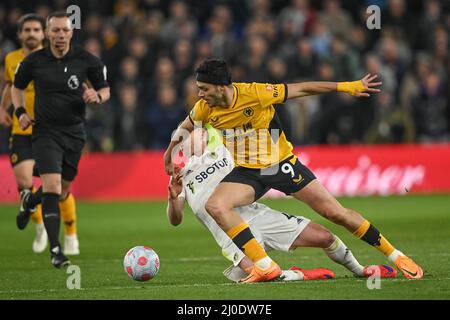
(51, 185)
(327, 238)
(24, 183)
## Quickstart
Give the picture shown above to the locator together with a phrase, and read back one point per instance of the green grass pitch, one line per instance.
(192, 264)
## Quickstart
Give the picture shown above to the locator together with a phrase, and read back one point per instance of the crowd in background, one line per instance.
(151, 49)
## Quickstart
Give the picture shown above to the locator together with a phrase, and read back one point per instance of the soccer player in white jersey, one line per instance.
(209, 162)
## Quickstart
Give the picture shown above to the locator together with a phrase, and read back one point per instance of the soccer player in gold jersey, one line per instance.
(245, 115)
(31, 35)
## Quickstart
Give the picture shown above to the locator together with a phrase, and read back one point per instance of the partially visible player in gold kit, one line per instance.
(31, 35)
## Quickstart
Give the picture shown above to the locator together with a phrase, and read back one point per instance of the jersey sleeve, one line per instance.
(199, 113)
(269, 94)
(23, 75)
(9, 77)
(97, 73)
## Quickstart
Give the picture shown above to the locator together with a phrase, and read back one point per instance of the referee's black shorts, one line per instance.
(58, 152)
(288, 176)
(20, 149)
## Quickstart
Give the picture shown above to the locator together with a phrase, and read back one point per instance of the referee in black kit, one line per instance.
(59, 72)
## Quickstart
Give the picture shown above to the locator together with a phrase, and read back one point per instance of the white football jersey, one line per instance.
(201, 175)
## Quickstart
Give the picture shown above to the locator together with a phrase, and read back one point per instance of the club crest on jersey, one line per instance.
(73, 82)
(248, 112)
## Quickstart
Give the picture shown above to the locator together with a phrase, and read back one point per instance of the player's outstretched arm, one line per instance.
(181, 133)
(175, 204)
(5, 119)
(359, 88)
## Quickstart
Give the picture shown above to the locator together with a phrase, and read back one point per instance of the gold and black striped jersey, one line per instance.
(249, 126)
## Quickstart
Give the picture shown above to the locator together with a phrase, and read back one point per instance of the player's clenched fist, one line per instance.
(175, 186)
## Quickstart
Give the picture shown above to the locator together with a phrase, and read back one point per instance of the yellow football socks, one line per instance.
(69, 214)
(37, 215)
(244, 240)
(372, 236)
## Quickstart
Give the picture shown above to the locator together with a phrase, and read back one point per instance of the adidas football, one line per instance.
(141, 263)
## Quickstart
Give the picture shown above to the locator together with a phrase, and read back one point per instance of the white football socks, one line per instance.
(394, 255)
(264, 263)
(339, 253)
(291, 275)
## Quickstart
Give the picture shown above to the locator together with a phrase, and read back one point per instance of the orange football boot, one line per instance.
(409, 268)
(262, 275)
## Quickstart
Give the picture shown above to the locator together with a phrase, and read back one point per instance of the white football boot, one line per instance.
(40, 240)
(71, 245)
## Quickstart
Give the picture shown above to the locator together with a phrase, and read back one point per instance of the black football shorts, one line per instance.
(19, 149)
(288, 176)
(57, 152)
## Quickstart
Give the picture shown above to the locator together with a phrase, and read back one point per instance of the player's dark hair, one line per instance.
(214, 71)
(57, 14)
(30, 17)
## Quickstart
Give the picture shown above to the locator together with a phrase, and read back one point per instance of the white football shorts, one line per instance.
(273, 229)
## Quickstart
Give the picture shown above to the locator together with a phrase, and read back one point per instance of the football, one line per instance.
(141, 263)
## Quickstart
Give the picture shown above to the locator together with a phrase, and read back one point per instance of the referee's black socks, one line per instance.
(50, 213)
(35, 198)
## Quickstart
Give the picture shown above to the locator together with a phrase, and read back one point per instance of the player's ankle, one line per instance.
(394, 255)
(264, 263)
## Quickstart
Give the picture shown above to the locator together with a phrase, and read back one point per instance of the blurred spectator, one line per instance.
(130, 131)
(427, 23)
(321, 39)
(6, 46)
(203, 51)
(138, 49)
(190, 92)
(179, 24)
(183, 57)
(345, 60)
(400, 20)
(430, 110)
(292, 19)
(167, 110)
(223, 42)
(165, 75)
(303, 63)
(255, 60)
(336, 20)
(99, 119)
(260, 8)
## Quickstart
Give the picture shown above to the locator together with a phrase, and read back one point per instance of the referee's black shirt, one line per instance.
(58, 85)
